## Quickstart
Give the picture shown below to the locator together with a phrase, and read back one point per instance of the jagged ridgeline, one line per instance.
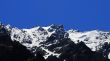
(52, 43)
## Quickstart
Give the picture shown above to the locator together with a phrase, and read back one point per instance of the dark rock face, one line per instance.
(38, 57)
(80, 52)
(77, 52)
(105, 49)
(14, 51)
(53, 58)
(69, 51)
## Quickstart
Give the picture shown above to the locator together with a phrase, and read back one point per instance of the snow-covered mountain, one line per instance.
(13, 50)
(93, 39)
(35, 37)
(51, 39)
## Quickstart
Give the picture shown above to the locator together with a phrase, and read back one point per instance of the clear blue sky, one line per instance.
(76, 14)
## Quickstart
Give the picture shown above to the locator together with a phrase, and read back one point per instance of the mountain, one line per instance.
(13, 50)
(57, 44)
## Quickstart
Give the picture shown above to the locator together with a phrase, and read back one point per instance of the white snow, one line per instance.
(34, 36)
(109, 56)
(93, 39)
(50, 53)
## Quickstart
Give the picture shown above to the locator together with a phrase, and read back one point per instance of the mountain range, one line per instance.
(54, 43)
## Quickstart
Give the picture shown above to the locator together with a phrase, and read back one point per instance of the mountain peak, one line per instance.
(56, 26)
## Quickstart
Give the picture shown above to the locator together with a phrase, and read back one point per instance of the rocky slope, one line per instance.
(52, 39)
(14, 51)
(56, 44)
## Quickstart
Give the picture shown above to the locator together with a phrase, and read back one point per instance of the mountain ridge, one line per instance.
(52, 39)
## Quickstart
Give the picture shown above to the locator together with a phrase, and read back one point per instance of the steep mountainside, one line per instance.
(52, 39)
(56, 44)
(14, 51)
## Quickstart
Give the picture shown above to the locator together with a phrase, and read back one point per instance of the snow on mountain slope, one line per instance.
(38, 37)
(32, 38)
(93, 39)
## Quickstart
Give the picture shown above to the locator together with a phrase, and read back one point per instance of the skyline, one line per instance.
(74, 28)
(82, 15)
